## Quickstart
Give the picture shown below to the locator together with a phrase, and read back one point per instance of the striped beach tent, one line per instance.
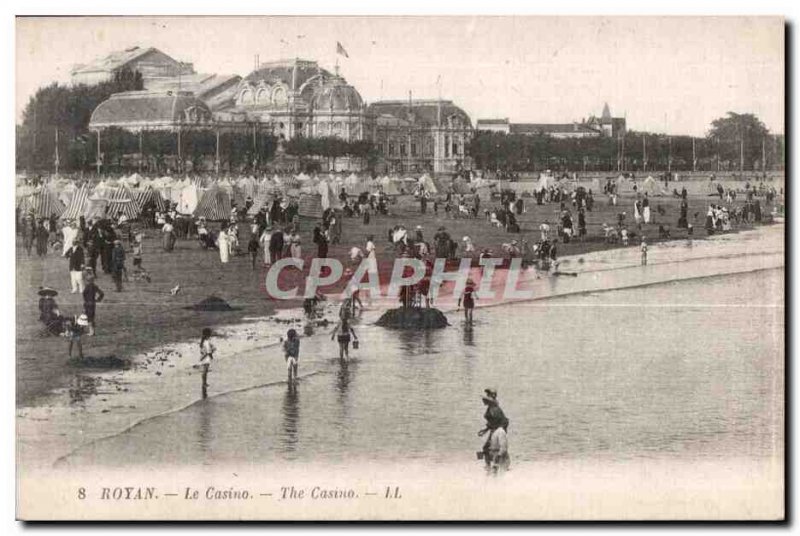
(77, 205)
(149, 195)
(120, 201)
(214, 205)
(43, 204)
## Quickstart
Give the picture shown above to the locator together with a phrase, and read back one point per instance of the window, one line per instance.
(261, 96)
(391, 149)
(402, 149)
(279, 96)
(338, 129)
(413, 149)
(246, 97)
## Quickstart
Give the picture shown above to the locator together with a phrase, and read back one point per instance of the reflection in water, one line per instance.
(469, 335)
(416, 342)
(291, 419)
(204, 430)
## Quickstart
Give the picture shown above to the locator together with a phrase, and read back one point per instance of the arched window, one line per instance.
(246, 96)
(279, 96)
(262, 97)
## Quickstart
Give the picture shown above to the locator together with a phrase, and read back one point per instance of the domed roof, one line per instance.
(142, 109)
(293, 73)
(336, 94)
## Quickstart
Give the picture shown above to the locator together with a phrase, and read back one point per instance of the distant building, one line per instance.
(594, 127)
(299, 98)
(150, 62)
(422, 135)
(494, 125)
(287, 98)
(151, 110)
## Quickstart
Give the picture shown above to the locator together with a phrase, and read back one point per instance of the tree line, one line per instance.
(736, 141)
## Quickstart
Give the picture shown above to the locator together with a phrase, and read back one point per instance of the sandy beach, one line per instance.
(62, 408)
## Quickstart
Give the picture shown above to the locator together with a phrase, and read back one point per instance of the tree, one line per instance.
(67, 109)
(739, 139)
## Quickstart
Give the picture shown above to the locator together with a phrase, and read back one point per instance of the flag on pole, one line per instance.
(340, 50)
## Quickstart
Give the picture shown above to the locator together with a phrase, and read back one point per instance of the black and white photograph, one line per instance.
(399, 268)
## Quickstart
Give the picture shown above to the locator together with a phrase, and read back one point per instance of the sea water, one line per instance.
(689, 370)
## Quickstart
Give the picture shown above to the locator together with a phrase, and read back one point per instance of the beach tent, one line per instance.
(248, 186)
(77, 205)
(120, 201)
(214, 205)
(310, 205)
(389, 186)
(149, 196)
(427, 182)
(43, 204)
(545, 181)
(327, 192)
(650, 186)
(189, 198)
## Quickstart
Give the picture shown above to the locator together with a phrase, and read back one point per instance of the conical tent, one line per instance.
(214, 205)
(43, 204)
(650, 186)
(121, 202)
(427, 182)
(77, 205)
(149, 196)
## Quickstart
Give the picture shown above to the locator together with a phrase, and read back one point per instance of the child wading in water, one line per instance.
(342, 332)
(469, 301)
(291, 352)
(206, 356)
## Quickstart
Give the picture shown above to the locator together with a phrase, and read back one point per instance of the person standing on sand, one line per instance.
(76, 265)
(276, 244)
(74, 332)
(223, 244)
(646, 208)
(469, 301)
(264, 240)
(252, 248)
(118, 264)
(206, 357)
(92, 295)
(644, 251)
(291, 352)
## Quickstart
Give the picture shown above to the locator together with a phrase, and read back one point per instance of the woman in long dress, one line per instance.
(646, 209)
(223, 243)
(265, 238)
(294, 245)
(169, 236)
(637, 214)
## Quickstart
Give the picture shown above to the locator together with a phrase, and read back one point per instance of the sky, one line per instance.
(664, 74)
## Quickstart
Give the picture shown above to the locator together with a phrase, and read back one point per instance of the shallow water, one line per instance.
(686, 370)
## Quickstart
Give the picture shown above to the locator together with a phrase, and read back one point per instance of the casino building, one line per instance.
(289, 98)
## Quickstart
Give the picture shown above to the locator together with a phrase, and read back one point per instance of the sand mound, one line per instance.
(413, 318)
(212, 303)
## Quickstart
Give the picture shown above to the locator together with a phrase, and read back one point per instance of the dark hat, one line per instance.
(47, 291)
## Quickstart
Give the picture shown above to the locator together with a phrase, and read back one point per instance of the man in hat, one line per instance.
(91, 296)
(76, 265)
(118, 264)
